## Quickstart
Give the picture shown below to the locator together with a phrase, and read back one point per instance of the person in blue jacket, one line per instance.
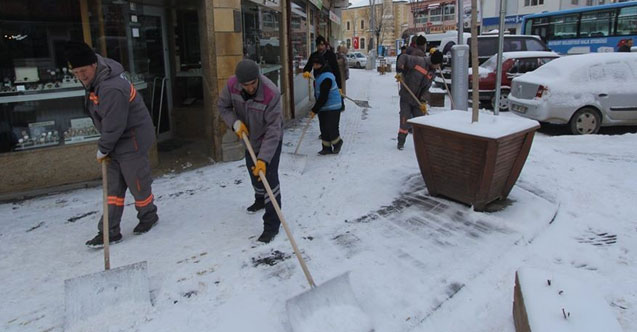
(328, 105)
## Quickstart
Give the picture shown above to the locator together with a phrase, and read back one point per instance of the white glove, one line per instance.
(100, 156)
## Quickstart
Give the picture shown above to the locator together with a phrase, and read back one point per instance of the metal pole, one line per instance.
(459, 11)
(498, 78)
(474, 62)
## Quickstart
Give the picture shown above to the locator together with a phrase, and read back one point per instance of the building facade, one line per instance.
(178, 55)
(356, 27)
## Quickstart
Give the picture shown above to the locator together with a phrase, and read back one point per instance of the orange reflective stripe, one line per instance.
(133, 93)
(114, 200)
(403, 131)
(93, 97)
(423, 71)
(145, 202)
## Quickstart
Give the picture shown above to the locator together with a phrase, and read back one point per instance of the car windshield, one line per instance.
(491, 63)
(359, 55)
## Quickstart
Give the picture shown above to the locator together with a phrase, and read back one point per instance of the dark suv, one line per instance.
(488, 46)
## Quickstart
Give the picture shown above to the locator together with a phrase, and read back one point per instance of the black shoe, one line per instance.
(256, 206)
(401, 141)
(267, 236)
(98, 240)
(326, 150)
(144, 227)
(336, 148)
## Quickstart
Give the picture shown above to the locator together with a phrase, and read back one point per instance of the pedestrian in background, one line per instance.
(250, 104)
(343, 66)
(126, 135)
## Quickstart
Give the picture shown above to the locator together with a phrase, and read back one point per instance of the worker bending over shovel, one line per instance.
(417, 74)
(250, 104)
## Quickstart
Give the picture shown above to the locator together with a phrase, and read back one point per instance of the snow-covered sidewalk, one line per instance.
(417, 263)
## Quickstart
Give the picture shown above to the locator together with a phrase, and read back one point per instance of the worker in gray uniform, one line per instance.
(417, 73)
(126, 135)
(250, 104)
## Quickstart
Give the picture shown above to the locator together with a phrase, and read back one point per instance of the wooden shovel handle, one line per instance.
(307, 125)
(105, 227)
(400, 79)
(447, 88)
(274, 202)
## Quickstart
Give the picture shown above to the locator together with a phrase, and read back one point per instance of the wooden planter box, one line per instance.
(475, 164)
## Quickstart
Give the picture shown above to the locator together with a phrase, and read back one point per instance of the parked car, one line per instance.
(514, 64)
(356, 59)
(488, 46)
(585, 91)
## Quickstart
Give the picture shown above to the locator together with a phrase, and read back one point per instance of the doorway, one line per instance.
(152, 62)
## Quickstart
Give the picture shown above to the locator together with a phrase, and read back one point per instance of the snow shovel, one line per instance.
(400, 79)
(296, 162)
(322, 305)
(359, 103)
(447, 88)
(90, 297)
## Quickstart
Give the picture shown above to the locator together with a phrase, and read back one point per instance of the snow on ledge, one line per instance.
(488, 125)
(585, 309)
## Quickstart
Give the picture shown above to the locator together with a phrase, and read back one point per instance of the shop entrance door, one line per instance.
(156, 69)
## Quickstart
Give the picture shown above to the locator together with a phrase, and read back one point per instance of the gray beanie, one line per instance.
(246, 71)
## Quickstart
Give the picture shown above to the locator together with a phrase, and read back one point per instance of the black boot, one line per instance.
(144, 227)
(267, 236)
(401, 140)
(256, 206)
(326, 150)
(336, 148)
(98, 240)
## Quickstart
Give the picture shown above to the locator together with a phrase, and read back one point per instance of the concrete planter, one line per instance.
(470, 166)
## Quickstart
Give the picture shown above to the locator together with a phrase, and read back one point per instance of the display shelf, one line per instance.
(41, 95)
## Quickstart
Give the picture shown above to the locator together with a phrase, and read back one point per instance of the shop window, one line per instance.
(449, 12)
(362, 43)
(349, 43)
(261, 38)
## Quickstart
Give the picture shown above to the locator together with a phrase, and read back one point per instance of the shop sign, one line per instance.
(335, 18)
(268, 3)
(317, 3)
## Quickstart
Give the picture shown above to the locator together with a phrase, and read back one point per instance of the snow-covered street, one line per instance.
(417, 263)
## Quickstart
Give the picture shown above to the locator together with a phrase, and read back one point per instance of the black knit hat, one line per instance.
(436, 58)
(317, 58)
(78, 54)
(247, 70)
(320, 39)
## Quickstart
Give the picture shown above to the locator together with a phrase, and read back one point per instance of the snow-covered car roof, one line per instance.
(529, 54)
(579, 64)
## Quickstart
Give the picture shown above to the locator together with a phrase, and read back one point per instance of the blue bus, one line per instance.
(601, 28)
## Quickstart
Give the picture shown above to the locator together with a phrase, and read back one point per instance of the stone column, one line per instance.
(221, 50)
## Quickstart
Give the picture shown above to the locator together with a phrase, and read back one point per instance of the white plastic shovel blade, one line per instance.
(292, 163)
(94, 297)
(331, 306)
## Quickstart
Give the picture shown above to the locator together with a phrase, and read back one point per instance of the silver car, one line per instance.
(356, 59)
(585, 91)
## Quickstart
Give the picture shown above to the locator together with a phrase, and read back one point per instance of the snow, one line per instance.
(555, 302)
(488, 125)
(416, 262)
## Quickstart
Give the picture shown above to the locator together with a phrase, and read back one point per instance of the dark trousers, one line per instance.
(329, 122)
(133, 174)
(407, 111)
(271, 220)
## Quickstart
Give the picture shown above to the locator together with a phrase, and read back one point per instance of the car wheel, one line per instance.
(358, 65)
(585, 121)
(504, 100)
